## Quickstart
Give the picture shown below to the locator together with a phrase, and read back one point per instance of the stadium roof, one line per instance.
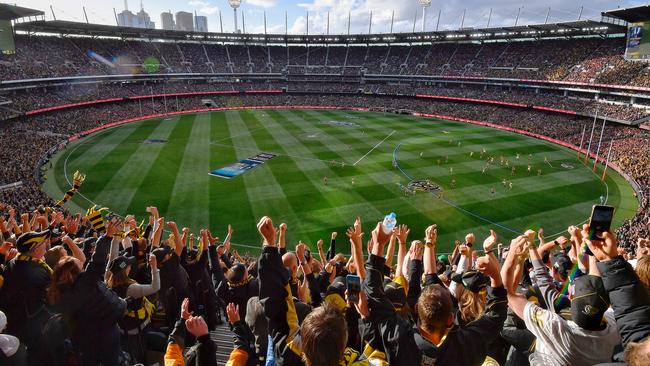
(11, 12)
(632, 15)
(555, 30)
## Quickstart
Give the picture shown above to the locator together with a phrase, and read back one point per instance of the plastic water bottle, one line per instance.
(389, 223)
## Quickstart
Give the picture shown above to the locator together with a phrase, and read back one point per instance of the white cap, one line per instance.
(8, 344)
(3, 321)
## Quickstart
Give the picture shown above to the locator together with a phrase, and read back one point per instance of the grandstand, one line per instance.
(127, 105)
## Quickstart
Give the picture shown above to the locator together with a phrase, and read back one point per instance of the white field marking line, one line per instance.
(374, 147)
(277, 153)
(249, 133)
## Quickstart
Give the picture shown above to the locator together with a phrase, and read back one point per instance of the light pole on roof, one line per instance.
(234, 4)
(425, 4)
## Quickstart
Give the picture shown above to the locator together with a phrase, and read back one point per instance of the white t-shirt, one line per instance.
(562, 342)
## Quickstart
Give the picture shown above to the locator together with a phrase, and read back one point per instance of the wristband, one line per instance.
(491, 251)
(469, 245)
(556, 243)
(428, 244)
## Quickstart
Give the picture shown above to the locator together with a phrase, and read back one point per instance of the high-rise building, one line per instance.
(144, 19)
(126, 18)
(200, 23)
(184, 21)
(167, 20)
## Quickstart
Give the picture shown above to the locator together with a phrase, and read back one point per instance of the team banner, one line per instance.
(638, 41)
(242, 166)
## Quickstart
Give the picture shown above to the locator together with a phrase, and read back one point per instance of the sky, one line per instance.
(477, 13)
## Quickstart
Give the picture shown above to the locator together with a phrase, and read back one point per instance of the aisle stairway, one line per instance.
(222, 337)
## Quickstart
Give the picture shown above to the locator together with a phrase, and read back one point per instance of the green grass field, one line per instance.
(126, 175)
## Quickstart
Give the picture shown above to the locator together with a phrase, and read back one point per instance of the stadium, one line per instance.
(165, 138)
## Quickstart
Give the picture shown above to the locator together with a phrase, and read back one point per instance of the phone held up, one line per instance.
(353, 284)
(600, 221)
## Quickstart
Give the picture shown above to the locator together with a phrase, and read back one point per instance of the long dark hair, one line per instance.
(65, 272)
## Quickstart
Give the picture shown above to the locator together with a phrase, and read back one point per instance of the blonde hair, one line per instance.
(643, 270)
(471, 305)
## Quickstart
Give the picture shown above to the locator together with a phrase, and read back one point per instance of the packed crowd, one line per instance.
(99, 289)
(592, 60)
(610, 106)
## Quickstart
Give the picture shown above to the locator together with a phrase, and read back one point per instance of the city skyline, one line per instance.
(298, 16)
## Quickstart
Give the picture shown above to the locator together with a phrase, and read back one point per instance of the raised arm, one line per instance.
(396, 334)
(402, 233)
(511, 273)
(157, 232)
(140, 290)
(629, 297)
(178, 243)
(431, 239)
(74, 248)
(390, 251)
(355, 234)
(276, 298)
(282, 238)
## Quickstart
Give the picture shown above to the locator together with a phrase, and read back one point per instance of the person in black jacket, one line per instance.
(26, 279)
(629, 298)
(91, 308)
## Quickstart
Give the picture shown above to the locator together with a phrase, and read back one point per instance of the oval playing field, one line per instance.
(330, 166)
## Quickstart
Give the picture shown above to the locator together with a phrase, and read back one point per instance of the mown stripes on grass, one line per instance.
(130, 175)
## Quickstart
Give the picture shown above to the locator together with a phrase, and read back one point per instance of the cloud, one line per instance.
(198, 3)
(261, 3)
(209, 10)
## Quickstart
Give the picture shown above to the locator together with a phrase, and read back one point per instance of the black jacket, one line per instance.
(23, 295)
(406, 346)
(629, 298)
(88, 301)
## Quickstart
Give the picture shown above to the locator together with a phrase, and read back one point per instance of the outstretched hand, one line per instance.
(232, 311)
(402, 233)
(355, 234)
(185, 309)
(490, 241)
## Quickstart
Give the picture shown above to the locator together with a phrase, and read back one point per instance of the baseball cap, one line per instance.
(236, 273)
(120, 263)
(472, 280)
(396, 294)
(160, 253)
(30, 240)
(562, 264)
(589, 302)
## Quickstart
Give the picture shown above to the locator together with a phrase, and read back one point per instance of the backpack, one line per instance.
(59, 345)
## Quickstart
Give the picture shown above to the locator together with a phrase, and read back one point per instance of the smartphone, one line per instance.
(353, 284)
(600, 221)
(307, 255)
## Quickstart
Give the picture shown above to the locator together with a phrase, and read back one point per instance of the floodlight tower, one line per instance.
(234, 4)
(425, 4)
